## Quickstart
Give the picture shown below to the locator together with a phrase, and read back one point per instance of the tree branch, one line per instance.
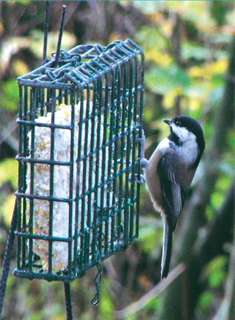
(218, 231)
(227, 310)
(153, 293)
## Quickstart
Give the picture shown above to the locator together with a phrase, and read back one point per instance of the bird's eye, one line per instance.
(178, 122)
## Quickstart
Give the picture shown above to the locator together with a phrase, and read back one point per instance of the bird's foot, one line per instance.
(143, 160)
(141, 180)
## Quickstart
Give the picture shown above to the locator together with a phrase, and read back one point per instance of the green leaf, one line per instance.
(9, 100)
(206, 299)
(106, 304)
(216, 271)
(191, 50)
(218, 11)
(9, 172)
(149, 7)
(162, 81)
(150, 38)
(150, 236)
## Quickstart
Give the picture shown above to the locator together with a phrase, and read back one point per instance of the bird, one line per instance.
(169, 172)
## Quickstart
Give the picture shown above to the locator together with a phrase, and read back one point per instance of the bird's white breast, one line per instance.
(152, 179)
(188, 152)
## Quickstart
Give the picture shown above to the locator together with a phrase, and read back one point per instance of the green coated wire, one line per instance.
(109, 89)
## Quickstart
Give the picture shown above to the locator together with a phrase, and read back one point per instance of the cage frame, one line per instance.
(82, 69)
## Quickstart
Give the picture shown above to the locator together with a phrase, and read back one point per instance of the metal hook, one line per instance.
(60, 35)
(98, 278)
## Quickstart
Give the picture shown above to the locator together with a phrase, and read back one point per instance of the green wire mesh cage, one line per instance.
(79, 121)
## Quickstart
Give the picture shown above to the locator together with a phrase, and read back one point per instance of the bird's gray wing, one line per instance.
(175, 179)
(173, 186)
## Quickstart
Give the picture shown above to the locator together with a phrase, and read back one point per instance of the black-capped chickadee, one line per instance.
(169, 173)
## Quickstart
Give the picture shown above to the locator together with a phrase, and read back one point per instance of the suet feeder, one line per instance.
(77, 202)
(79, 120)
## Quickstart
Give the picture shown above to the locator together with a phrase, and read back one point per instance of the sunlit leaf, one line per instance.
(151, 38)
(221, 187)
(149, 7)
(20, 68)
(221, 37)
(7, 209)
(9, 172)
(157, 56)
(10, 96)
(206, 299)
(192, 50)
(216, 271)
(106, 304)
(163, 80)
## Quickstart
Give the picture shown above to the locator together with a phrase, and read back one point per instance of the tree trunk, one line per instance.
(181, 297)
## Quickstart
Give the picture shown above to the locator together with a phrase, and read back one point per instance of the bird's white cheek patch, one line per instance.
(182, 133)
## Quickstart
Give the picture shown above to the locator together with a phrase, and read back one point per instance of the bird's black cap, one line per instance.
(191, 125)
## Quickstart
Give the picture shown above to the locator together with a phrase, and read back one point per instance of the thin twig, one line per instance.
(153, 293)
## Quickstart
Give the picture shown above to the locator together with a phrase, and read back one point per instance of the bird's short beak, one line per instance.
(167, 122)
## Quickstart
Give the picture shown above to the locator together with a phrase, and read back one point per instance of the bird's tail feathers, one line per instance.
(167, 247)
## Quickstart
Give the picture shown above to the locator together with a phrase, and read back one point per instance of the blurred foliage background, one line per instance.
(190, 69)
